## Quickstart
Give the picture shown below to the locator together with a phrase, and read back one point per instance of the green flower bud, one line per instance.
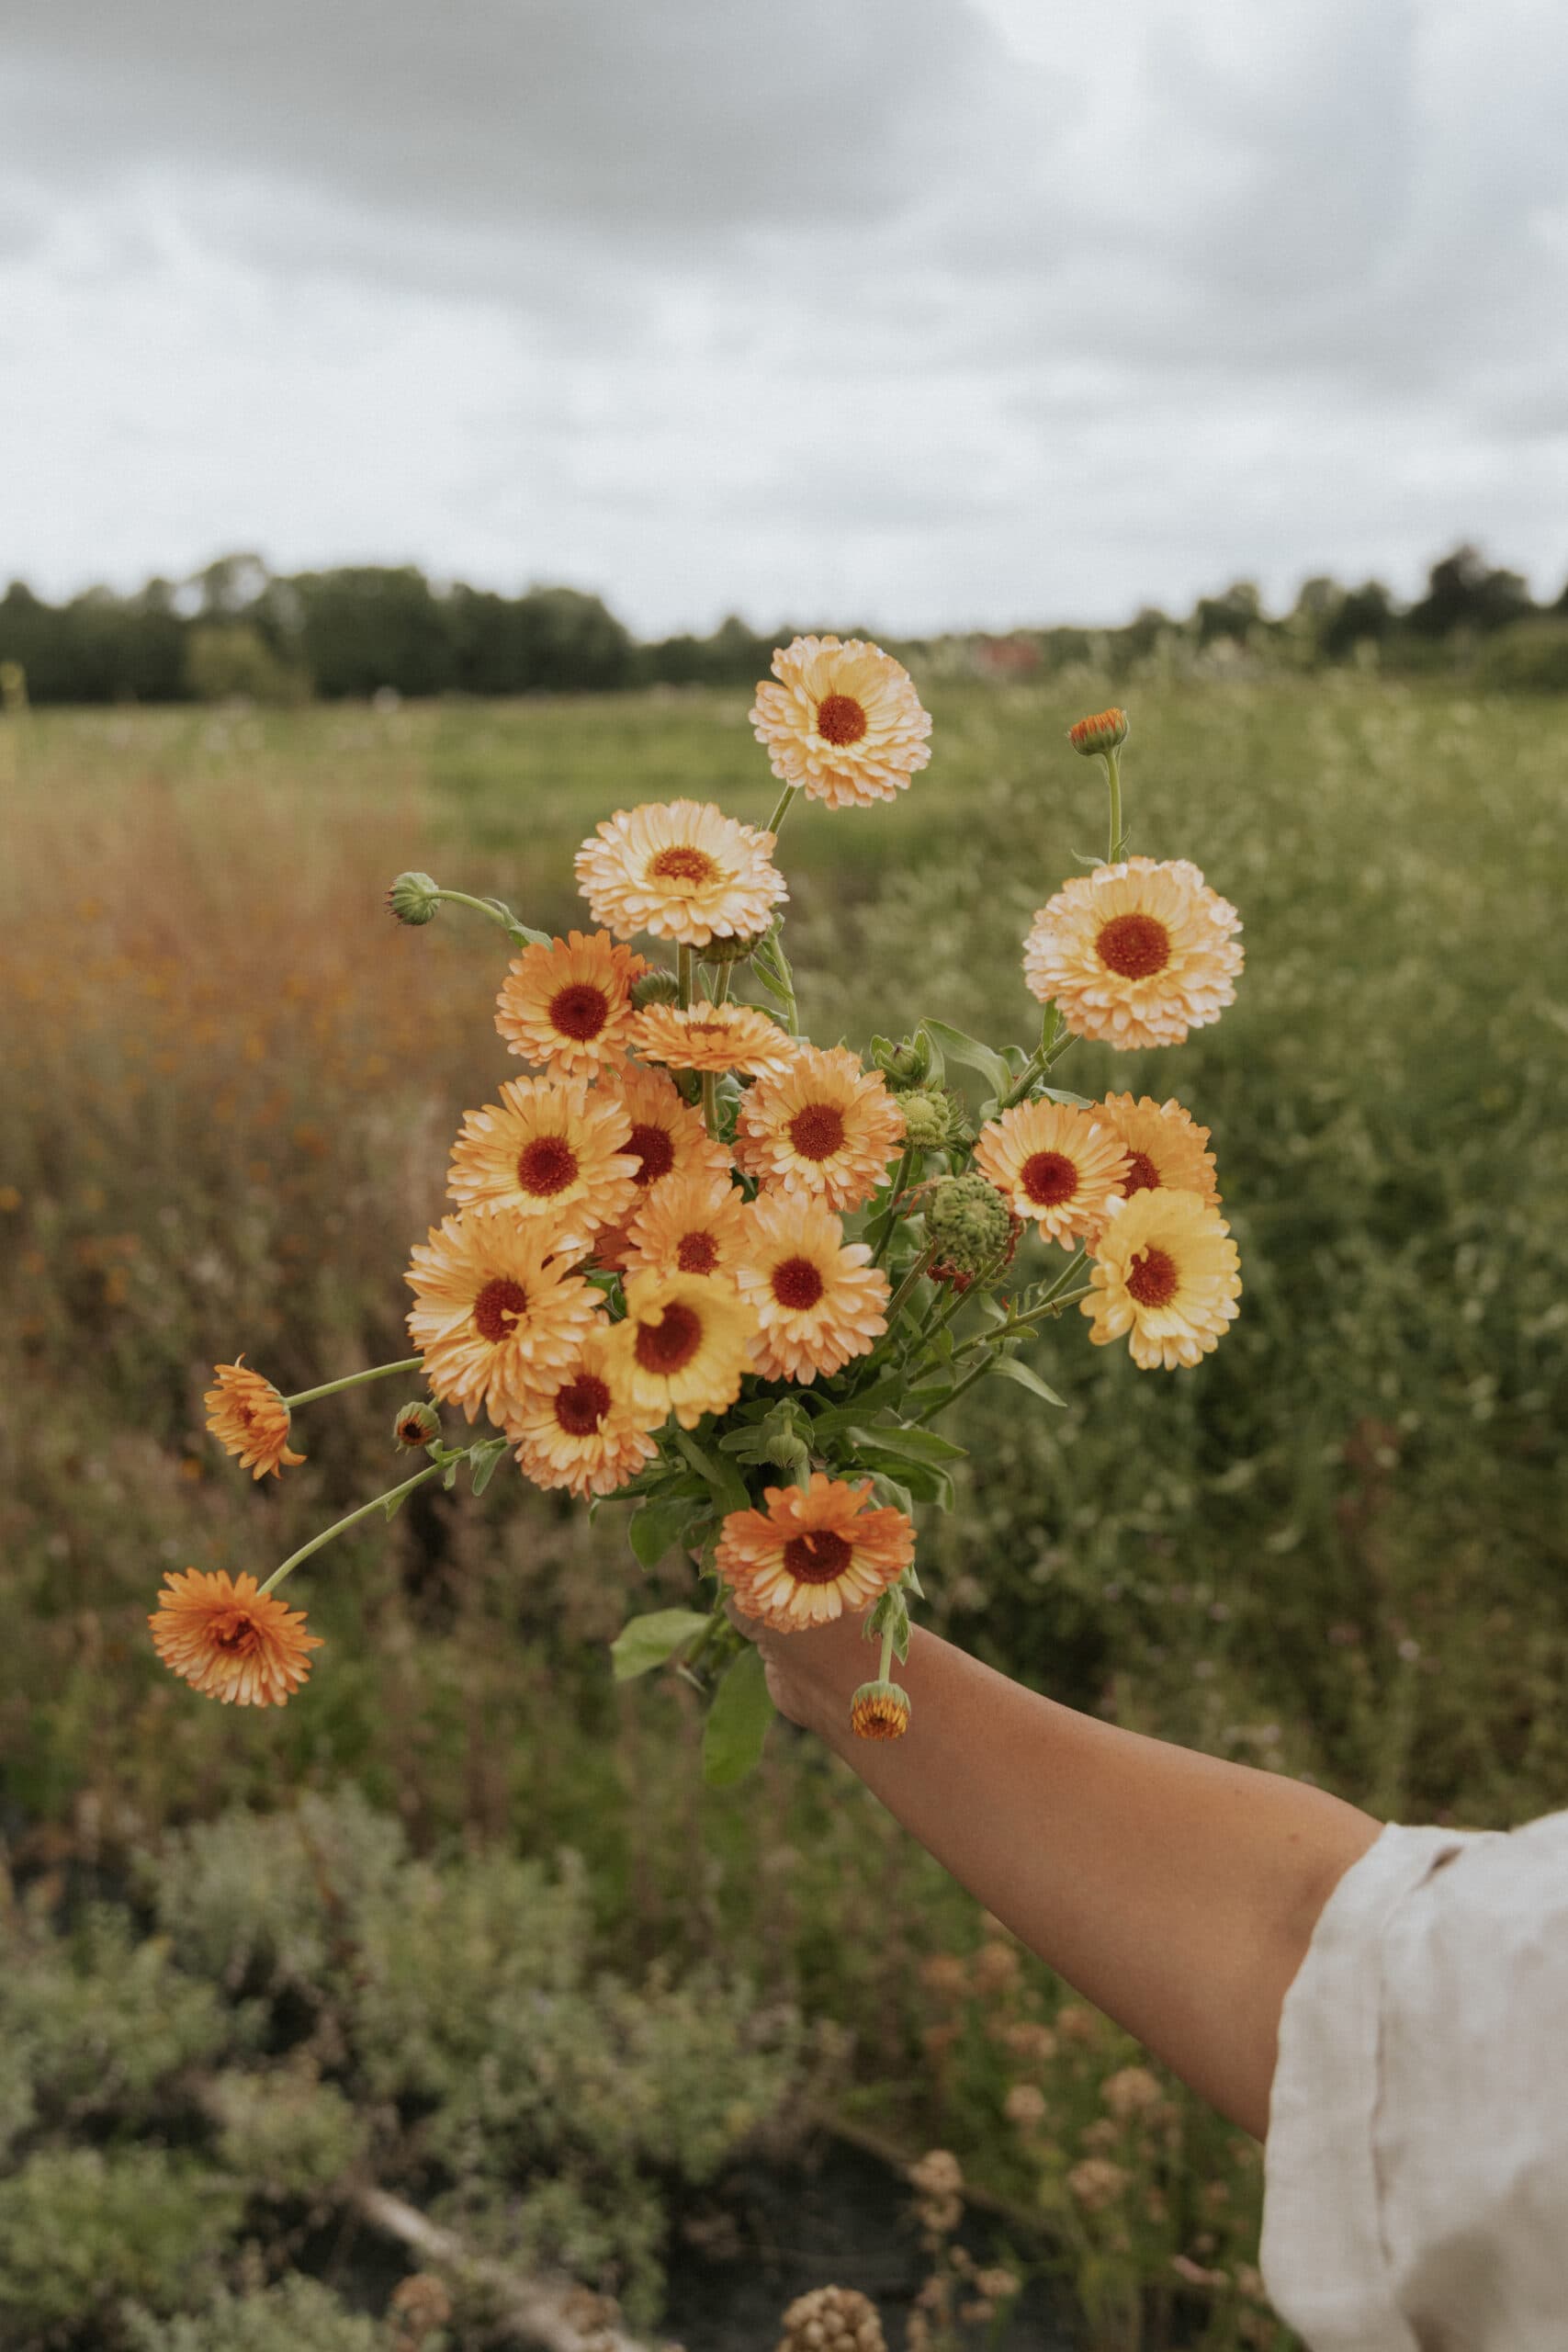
(1104, 732)
(413, 897)
(657, 987)
(415, 1425)
(720, 950)
(969, 1221)
(903, 1065)
(928, 1118)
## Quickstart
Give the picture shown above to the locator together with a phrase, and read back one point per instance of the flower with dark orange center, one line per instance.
(879, 1709)
(1166, 1274)
(711, 1036)
(682, 870)
(584, 1431)
(1137, 954)
(249, 1418)
(691, 1224)
(552, 1153)
(230, 1640)
(496, 1313)
(842, 719)
(818, 1299)
(824, 1125)
(1163, 1145)
(1052, 1162)
(567, 1006)
(814, 1552)
(683, 1345)
(667, 1138)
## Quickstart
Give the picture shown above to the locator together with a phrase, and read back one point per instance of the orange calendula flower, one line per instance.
(818, 1299)
(682, 870)
(879, 1710)
(842, 721)
(496, 1313)
(1167, 1275)
(711, 1036)
(584, 1432)
(1104, 732)
(569, 1006)
(824, 1125)
(1163, 1145)
(1137, 954)
(684, 1343)
(230, 1640)
(691, 1224)
(813, 1552)
(667, 1136)
(1055, 1163)
(551, 1153)
(249, 1418)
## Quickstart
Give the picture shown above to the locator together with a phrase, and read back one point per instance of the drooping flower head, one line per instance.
(551, 1153)
(249, 1418)
(711, 1036)
(682, 870)
(496, 1313)
(818, 1299)
(584, 1431)
(683, 1345)
(1167, 1274)
(1137, 954)
(230, 1641)
(1163, 1145)
(824, 1125)
(1052, 1162)
(814, 1552)
(842, 719)
(567, 1006)
(667, 1138)
(880, 1711)
(691, 1224)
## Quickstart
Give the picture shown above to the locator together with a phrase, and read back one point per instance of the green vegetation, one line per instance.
(248, 1956)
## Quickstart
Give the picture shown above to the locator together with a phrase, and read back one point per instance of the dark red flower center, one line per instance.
(652, 1146)
(681, 862)
(817, 1132)
(797, 1284)
(1142, 1176)
(817, 1558)
(1049, 1178)
(235, 1632)
(1152, 1278)
(698, 1253)
(839, 719)
(668, 1347)
(578, 1010)
(1135, 945)
(581, 1405)
(497, 1309)
(545, 1166)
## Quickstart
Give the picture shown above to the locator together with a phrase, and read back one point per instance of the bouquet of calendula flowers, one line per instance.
(700, 1267)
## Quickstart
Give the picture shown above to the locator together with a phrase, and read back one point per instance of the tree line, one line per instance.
(238, 630)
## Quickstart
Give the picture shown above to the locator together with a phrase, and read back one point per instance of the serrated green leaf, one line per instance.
(958, 1047)
(738, 1722)
(645, 1641)
(1011, 1368)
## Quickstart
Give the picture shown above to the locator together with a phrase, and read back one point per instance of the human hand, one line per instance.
(812, 1675)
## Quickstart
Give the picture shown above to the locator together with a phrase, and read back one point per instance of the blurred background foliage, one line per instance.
(461, 1921)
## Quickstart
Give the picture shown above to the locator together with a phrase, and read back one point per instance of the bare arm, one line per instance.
(1177, 1893)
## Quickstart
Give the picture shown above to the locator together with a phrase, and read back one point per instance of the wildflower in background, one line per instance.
(1166, 1274)
(496, 1313)
(249, 1418)
(584, 1432)
(1136, 954)
(552, 1153)
(879, 1709)
(814, 1552)
(843, 721)
(682, 870)
(230, 1640)
(832, 2319)
(711, 1036)
(824, 1125)
(1105, 731)
(1132, 2090)
(691, 1224)
(569, 1006)
(1163, 1145)
(667, 1136)
(1097, 2183)
(1055, 1163)
(818, 1299)
(684, 1344)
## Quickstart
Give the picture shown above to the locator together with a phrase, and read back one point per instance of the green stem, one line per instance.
(968, 1381)
(354, 1380)
(721, 984)
(377, 1502)
(886, 1659)
(710, 1101)
(890, 1214)
(1113, 777)
(480, 906)
(785, 802)
(1053, 1044)
(910, 1279)
(685, 964)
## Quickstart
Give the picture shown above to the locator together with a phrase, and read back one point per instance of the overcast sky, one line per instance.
(914, 312)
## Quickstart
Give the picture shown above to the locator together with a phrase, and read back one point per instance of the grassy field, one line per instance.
(1336, 1550)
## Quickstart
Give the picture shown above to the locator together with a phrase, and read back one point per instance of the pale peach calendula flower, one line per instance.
(691, 1224)
(551, 1153)
(711, 1036)
(1137, 954)
(842, 719)
(682, 870)
(1055, 1163)
(818, 1299)
(496, 1313)
(813, 1552)
(824, 1126)
(1167, 1275)
(684, 1343)
(667, 1138)
(249, 1418)
(1163, 1145)
(230, 1641)
(569, 1006)
(582, 1432)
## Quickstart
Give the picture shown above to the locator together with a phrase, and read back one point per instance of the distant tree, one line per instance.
(371, 626)
(231, 662)
(1362, 615)
(1235, 614)
(232, 586)
(1464, 593)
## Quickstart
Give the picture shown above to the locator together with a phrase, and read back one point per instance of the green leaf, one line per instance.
(971, 1053)
(886, 1490)
(721, 1475)
(738, 1722)
(1060, 1094)
(911, 1444)
(646, 1642)
(659, 1522)
(1011, 1368)
(485, 1459)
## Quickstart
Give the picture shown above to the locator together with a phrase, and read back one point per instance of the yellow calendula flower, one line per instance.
(842, 721)
(824, 1125)
(567, 1006)
(682, 870)
(813, 1552)
(497, 1313)
(551, 1153)
(691, 1224)
(1136, 954)
(249, 1418)
(684, 1344)
(582, 1430)
(1055, 1163)
(666, 1136)
(230, 1640)
(1167, 1277)
(711, 1036)
(818, 1299)
(1163, 1145)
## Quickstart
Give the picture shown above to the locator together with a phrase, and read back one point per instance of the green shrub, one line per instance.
(286, 2132)
(81, 2229)
(97, 2020)
(1528, 656)
(297, 2314)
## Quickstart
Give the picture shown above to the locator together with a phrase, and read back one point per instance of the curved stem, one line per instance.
(886, 1659)
(354, 1380)
(910, 1279)
(377, 1502)
(480, 906)
(785, 802)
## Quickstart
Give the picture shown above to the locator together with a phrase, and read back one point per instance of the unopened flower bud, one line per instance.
(879, 1710)
(969, 1221)
(720, 950)
(905, 1064)
(413, 897)
(657, 987)
(415, 1425)
(928, 1118)
(1104, 732)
